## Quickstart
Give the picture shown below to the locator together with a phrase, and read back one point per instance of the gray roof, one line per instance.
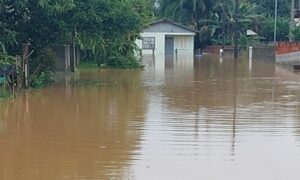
(174, 23)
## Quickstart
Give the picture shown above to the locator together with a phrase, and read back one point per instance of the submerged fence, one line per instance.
(67, 57)
(263, 53)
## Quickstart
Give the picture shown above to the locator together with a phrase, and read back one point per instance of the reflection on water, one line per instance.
(207, 120)
(86, 129)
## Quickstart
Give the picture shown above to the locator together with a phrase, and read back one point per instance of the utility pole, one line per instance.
(73, 69)
(275, 24)
(292, 22)
(236, 29)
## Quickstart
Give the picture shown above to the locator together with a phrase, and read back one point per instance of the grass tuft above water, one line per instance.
(4, 94)
(90, 65)
(94, 65)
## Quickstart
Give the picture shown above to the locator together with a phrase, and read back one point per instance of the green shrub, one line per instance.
(4, 93)
(267, 28)
(41, 80)
(296, 34)
(123, 62)
(41, 68)
(44, 61)
(4, 57)
(248, 41)
(88, 65)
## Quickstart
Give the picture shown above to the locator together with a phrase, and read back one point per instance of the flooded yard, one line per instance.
(212, 121)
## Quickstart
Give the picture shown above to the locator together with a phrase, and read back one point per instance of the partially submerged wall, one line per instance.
(263, 53)
(215, 49)
(288, 53)
(287, 47)
(292, 58)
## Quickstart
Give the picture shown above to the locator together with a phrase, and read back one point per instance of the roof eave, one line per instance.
(174, 23)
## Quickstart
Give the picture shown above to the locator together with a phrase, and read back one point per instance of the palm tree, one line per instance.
(185, 11)
(215, 20)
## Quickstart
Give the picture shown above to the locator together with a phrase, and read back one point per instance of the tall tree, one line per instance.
(213, 19)
(108, 28)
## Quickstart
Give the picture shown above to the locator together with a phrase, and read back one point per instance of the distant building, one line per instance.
(297, 17)
(165, 37)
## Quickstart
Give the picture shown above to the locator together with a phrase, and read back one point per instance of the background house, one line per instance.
(167, 37)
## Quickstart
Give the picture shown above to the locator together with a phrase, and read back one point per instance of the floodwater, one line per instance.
(216, 121)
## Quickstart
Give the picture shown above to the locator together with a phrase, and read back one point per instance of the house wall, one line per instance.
(184, 44)
(159, 43)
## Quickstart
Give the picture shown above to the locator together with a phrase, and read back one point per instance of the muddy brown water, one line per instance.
(208, 122)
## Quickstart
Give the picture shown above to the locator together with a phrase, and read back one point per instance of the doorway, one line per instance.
(169, 46)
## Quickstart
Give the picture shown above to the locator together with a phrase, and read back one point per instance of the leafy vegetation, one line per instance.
(296, 34)
(4, 93)
(112, 42)
(4, 57)
(215, 20)
(105, 30)
(267, 28)
(41, 80)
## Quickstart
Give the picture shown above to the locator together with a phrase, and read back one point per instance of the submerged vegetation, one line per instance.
(105, 31)
(3, 91)
(41, 80)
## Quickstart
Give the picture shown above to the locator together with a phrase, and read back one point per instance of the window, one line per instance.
(149, 43)
(183, 42)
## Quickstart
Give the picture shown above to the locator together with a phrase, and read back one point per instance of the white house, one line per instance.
(166, 37)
